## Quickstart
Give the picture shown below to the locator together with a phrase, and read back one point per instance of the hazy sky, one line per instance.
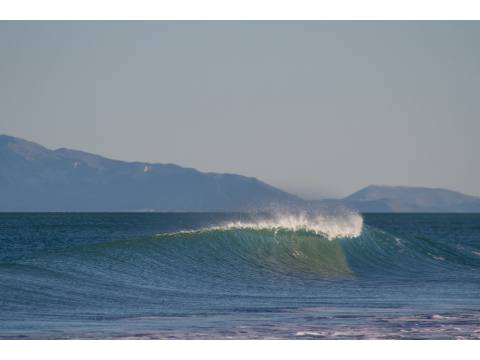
(316, 108)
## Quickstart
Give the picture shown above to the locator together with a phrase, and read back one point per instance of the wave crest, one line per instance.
(347, 225)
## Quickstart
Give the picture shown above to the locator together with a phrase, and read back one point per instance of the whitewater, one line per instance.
(348, 224)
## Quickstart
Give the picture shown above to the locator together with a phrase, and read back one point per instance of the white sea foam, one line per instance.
(347, 225)
(331, 226)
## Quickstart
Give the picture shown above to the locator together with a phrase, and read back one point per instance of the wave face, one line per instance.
(228, 275)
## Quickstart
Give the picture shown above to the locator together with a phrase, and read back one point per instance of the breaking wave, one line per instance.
(346, 225)
(260, 247)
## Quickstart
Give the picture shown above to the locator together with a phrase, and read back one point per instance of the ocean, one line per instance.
(239, 276)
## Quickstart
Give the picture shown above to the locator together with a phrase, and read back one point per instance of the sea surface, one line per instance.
(240, 276)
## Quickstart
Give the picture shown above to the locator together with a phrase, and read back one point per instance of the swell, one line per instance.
(239, 252)
(262, 266)
(236, 256)
(377, 253)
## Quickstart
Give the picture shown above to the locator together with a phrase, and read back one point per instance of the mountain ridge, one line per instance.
(35, 178)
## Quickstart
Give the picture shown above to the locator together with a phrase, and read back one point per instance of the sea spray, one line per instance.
(347, 224)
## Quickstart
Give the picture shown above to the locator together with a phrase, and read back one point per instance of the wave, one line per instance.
(260, 250)
(219, 275)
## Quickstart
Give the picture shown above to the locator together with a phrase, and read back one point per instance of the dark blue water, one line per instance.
(176, 275)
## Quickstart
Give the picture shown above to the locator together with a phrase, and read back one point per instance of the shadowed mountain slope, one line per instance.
(34, 178)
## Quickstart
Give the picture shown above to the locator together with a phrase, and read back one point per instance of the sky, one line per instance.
(319, 109)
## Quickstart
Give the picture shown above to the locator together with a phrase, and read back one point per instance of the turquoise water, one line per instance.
(181, 275)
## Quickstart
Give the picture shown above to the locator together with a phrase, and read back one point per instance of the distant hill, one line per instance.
(376, 198)
(34, 178)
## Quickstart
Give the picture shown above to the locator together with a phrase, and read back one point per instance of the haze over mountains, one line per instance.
(34, 178)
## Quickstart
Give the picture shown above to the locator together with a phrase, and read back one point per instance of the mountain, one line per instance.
(34, 178)
(376, 198)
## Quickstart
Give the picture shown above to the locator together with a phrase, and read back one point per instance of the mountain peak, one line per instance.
(411, 199)
(27, 150)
